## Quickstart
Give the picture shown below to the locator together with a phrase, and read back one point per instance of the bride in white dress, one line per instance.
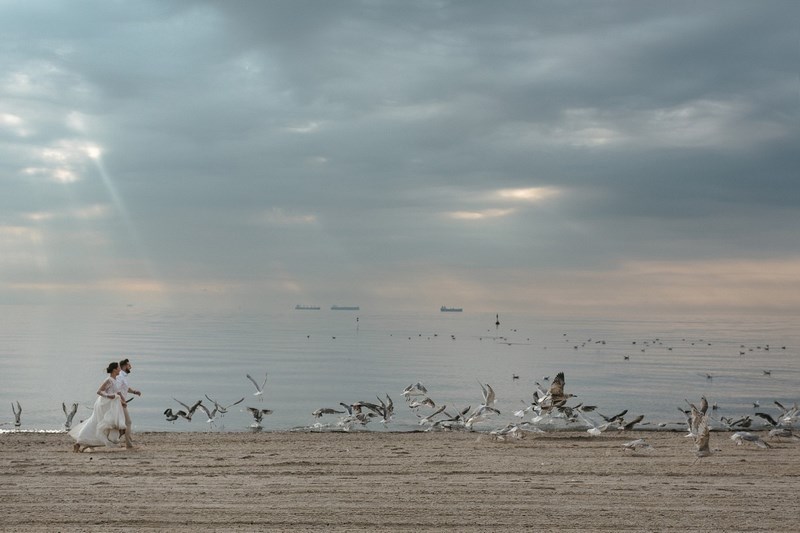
(103, 426)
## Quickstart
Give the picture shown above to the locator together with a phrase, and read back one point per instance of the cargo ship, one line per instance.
(300, 307)
(445, 309)
(345, 308)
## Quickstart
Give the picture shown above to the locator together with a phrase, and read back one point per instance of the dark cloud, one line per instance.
(306, 141)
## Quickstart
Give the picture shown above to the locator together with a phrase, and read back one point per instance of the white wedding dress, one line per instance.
(102, 427)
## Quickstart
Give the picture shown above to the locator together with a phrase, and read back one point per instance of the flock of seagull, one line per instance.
(219, 410)
(549, 405)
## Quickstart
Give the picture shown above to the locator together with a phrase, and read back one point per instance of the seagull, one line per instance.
(636, 445)
(557, 388)
(354, 416)
(415, 389)
(771, 421)
(594, 430)
(488, 395)
(385, 410)
(326, 411)
(258, 414)
(223, 409)
(741, 436)
(629, 425)
(702, 438)
(744, 422)
(556, 392)
(416, 404)
(528, 407)
(614, 418)
(259, 389)
(513, 430)
(783, 433)
(788, 415)
(696, 415)
(347, 422)
(429, 419)
(452, 421)
(212, 415)
(480, 414)
(189, 410)
(70, 415)
(172, 417)
(554, 397)
(17, 414)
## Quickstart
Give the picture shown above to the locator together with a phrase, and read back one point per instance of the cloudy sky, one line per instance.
(618, 157)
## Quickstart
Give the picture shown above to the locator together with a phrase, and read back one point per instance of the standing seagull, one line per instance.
(259, 389)
(17, 414)
(70, 415)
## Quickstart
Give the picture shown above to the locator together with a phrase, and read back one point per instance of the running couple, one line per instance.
(110, 419)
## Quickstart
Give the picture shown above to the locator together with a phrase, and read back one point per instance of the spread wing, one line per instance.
(557, 386)
(703, 436)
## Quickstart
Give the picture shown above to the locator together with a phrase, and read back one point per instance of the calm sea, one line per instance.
(50, 355)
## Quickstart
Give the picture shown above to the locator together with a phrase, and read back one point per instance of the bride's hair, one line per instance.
(111, 367)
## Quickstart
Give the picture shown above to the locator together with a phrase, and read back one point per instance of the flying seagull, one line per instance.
(220, 408)
(17, 414)
(70, 415)
(488, 395)
(429, 419)
(326, 411)
(636, 445)
(211, 415)
(481, 413)
(741, 436)
(415, 389)
(189, 410)
(259, 388)
(614, 418)
(702, 438)
(627, 426)
(258, 414)
(555, 396)
(416, 404)
(385, 410)
(783, 433)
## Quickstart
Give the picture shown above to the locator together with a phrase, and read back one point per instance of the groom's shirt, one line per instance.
(122, 382)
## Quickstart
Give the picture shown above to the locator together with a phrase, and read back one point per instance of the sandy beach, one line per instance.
(373, 481)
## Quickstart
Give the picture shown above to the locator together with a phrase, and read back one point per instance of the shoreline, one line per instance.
(381, 481)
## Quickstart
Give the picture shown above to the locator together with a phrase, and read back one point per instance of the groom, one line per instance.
(123, 387)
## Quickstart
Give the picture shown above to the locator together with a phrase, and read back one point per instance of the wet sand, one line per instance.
(375, 481)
